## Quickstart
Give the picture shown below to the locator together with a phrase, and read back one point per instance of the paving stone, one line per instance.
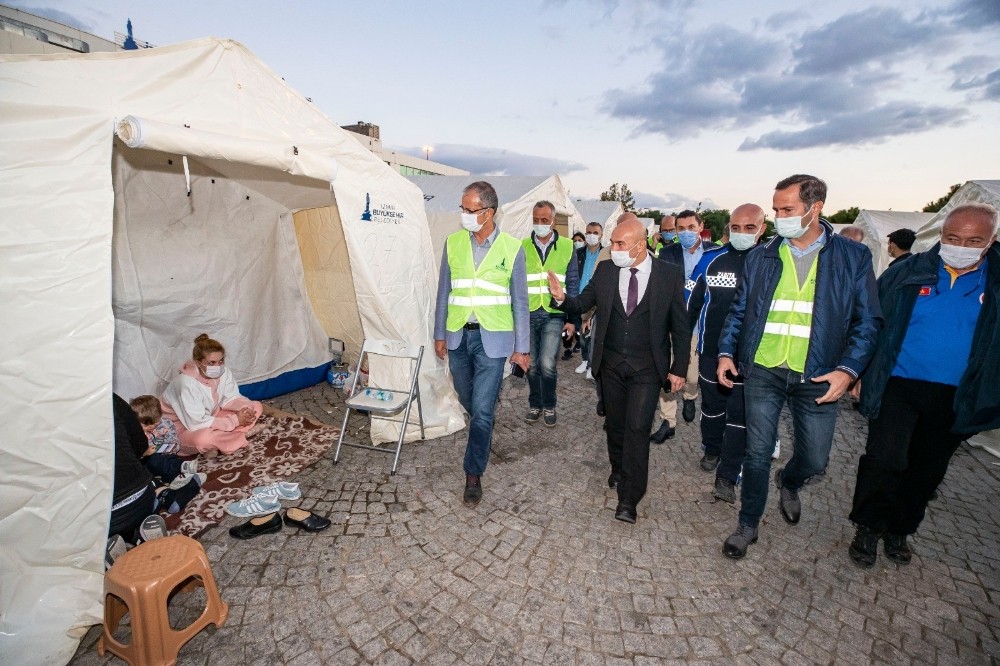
(540, 572)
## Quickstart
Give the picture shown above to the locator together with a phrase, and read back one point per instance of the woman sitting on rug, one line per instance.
(205, 404)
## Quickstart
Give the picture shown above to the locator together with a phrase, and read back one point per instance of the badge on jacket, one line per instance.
(924, 291)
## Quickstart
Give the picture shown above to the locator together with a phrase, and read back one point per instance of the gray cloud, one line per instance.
(985, 87)
(867, 126)
(838, 84)
(670, 201)
(783, 19)
(57, 15)
(976, 13)
(496, 161)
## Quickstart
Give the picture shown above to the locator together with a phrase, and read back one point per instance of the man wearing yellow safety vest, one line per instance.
(545, 251)
(481, 319)
(802, 327)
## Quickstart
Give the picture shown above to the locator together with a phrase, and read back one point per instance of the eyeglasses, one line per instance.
(473, 212)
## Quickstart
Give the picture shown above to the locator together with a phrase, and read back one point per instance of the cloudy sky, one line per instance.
(686, 101)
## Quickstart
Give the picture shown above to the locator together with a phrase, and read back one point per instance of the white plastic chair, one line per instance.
(401, 401)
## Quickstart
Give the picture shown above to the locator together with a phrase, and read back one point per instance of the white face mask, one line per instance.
(742, 241)
(578, 244)
(960, 257)
(213, 371)
(790, 227)
(470, 222)
(622, 258)
(592, 239)
(541, 230)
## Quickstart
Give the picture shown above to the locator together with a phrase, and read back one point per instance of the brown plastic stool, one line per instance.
(140, 583)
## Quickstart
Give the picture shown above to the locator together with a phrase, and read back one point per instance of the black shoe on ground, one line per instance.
(532, 415)
(735, 547)
(614, 479)
(255, 527)
(791, 507)
(600, 408)
(568, 354)
(864, 549)
(473, 490)
(625, 513)
(689, 410)
(724, 490)
(549, 417)
(896, 548)
(709, 462)
(664, 433)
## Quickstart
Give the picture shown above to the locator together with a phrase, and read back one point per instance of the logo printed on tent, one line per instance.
(382, 214)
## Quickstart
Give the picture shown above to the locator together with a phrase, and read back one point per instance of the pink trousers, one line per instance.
(208, 439)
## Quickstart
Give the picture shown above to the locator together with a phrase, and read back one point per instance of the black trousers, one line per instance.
(630, 399)
(909, 447)
(723, 429)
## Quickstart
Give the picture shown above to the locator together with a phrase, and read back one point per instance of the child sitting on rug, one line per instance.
(160, 457)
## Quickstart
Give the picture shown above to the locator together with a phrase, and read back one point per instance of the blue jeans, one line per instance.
(476, 378)
(546, 334)
(766, 391)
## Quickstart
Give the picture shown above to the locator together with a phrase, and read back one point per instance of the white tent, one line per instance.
(213, 212)
(877, 224)
(517, 196)
(605, 213)
(974, 191)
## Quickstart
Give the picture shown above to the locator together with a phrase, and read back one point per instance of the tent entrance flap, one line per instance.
(184, 140)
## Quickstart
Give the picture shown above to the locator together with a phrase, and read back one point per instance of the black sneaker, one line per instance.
(549, 417)
(533, 415)
(735, 547)
(709, 462)
(689, 410)
(896, 548)
(724, 490)
(864, 549)
(473, 490)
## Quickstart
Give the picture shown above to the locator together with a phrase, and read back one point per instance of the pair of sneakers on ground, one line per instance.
(264, 500)
(548, 416)
(152, 527)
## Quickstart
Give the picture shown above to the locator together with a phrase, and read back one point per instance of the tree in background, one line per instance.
(935, 206)
(620, 193)
(845, 216)
(715, 220)
(653, 213)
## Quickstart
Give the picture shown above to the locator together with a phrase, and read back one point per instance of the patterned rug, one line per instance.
(281, 450)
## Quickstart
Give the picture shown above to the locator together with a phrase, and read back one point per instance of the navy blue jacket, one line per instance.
(846, 314)
(977, 400)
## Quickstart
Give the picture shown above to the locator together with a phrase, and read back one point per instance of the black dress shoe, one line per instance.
(614, 479)
(689, 410)
(625, 513)
(254, 527)
(306, 520)
(600, 408)
(664, 433)
(896, 548)
(864, 549)
(473, 490)
(788, 500)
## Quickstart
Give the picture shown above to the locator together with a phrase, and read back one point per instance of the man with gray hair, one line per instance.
(934, 379)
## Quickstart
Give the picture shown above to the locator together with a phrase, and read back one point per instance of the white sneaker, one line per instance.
(580, 369)
(283, 490)
(590, 375)
(777, 450)
(189, 467)
(255, 505)
(182, 479)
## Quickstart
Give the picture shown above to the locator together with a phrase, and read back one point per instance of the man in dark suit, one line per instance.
(641, 317)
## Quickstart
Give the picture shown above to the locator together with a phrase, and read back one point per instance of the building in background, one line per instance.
(368, 135)
(22, 32)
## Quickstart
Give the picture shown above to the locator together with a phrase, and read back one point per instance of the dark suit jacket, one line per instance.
(668, 317)
(674, 252)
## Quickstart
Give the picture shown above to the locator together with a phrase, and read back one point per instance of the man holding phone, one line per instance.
(481, 319)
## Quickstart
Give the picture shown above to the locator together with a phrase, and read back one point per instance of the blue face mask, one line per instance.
(668, 236)
(688, 239)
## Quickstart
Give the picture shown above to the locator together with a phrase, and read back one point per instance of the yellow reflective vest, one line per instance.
(789, 321)
(538, 273)
(485, 291)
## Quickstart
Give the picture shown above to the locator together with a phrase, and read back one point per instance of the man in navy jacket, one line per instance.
(801, 329)
(934, 379)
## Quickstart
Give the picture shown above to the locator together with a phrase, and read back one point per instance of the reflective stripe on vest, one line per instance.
(485, 291)
(789, 321)
(538, 273)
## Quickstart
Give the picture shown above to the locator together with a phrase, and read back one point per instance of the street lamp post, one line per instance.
(427, 153)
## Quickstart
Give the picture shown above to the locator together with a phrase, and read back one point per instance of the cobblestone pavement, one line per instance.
(540, 572)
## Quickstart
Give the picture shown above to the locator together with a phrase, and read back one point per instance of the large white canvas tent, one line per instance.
(517, 196)
(974, 191)
(605, 213)
(214, 212)
(877, 224)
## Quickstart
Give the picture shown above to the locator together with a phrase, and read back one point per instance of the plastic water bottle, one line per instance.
(378, 394)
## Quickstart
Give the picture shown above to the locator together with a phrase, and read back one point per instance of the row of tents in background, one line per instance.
(153, 195)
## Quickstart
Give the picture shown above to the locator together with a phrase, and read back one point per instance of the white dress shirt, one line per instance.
(641, 276)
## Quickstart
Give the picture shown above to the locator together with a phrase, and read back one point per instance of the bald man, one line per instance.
(934, 379)
(641, 321)
(723, 432)
(856, 234)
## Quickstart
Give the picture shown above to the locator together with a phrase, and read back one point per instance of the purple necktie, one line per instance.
(633, 293)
